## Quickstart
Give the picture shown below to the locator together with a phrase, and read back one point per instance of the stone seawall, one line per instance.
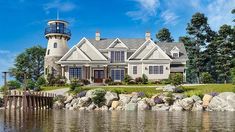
(163, 102)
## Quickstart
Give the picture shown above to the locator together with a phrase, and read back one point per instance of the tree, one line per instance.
(206, 78)
(164, 35)
(176, 79)
(199, 34)
(225, 51)
(29, 62)
(233, 12)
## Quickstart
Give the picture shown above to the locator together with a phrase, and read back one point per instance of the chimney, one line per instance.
(147, 36)
(97, 36)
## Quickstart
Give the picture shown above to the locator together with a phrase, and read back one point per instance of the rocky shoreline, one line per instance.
(135, 101)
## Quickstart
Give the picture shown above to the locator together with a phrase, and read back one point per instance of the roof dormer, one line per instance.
(175, 52)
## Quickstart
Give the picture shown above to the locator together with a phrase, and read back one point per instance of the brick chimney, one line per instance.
(147, 36)
(97, 36)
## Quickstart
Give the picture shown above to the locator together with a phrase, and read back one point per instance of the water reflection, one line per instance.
(117, 121)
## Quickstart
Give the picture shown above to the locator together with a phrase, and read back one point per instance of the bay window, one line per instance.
(117, 56)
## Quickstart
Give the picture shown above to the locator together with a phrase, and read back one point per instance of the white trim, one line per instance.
(83, 54)
(150, 51)
(112, 44)
(138, 50)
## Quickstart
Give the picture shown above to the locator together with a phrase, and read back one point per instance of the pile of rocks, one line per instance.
(163, 102)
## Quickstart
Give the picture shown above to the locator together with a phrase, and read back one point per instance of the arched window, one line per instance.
(55, 45)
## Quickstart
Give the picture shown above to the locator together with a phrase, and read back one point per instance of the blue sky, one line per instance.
(23, 21)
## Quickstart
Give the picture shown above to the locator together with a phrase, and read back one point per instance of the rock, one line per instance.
(134, 99)
(58, 105)
(206, 100)
(84, 102)
(71, 108)
(186, 103)
(89, 93)
(104, 108)
(150, 101)
(178, 96)
(82, 108)
(124, 98)
(119, 108)
(131, 106)
(109, 97)
(68, 99)
(91, 106)
(223, 102)
(160, 107)
(197, 106)
(176, 106)
(115, 104)
(74, 101)
(169, 88)
(195, 98)
(142, 105)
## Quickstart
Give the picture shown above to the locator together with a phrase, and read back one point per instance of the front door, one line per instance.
(98, 76)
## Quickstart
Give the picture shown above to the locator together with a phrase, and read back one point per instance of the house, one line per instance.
(96, 59)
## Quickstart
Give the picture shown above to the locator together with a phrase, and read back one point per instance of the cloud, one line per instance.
(146, 9)
(59, 5)
(169, 17)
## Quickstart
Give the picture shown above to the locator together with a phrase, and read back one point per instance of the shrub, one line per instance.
(138, 80)
(170, 98)
(41, 81)
(98, 96)
(30, 84)
(206, 78)
(127, 78)
(59, 98)
(51, 79)
(116, 83)
(13, 84)
(176, 79)
(108, 80)
(165, 81)
(85, 81)
(74, 84)
(144, 79)
(77, 89)
(158, 100)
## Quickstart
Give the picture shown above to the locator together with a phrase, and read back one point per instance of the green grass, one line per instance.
(48, 88)
(208, 88)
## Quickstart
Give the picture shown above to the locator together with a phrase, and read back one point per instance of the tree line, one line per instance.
(209, 52)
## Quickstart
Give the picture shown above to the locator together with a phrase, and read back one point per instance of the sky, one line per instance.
(23, 22)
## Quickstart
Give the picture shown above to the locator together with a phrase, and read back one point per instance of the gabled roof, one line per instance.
(167, 47)
(117, 43)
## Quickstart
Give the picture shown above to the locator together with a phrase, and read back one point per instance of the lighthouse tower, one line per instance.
(57, 35)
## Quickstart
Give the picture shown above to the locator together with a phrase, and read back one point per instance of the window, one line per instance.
(55, 45)
(75, 73)
(134, 69)
(155, 69)
(117, 56)
(175, 55)
(117, 74)
(48, 52)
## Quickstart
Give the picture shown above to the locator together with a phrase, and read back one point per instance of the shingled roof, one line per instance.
(135, 43)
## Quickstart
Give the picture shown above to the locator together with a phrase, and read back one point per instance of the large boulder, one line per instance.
(178, 96)
(74, 101)
(206, 100)
(169, 88)
(197, 106)
(92, 106)
(104, 108)
(84, 102)
(176, 106)
(142, 105)
(115, 104)
(68, 99)
(160, 107)
(131, 106)
(58, 105)
(110, 97)
(124, 98)
(187, 103)
(134, 98)
(89, 93)
(223, 102)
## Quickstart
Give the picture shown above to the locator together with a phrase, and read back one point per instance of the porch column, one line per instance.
(63, 71)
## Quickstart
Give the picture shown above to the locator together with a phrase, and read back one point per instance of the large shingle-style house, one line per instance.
(100, 58)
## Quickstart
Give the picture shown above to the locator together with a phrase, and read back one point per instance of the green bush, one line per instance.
(206, 78)
(108, 80)
(127, 78)
(74, 84)
(144, 79)
(169, 99)
(98, 96)
(13, 84)
(233, 75)
(165, 81)
(41, 81)
(176, 79)
(138, 80)
(30, 84)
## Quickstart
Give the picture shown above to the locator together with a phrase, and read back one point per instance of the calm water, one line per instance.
(117, 121)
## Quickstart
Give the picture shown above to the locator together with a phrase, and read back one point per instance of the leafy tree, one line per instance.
(13, 84)
(41, 81)
(206, 78)
(176, 79)
(200, 34)
(225, 51)
(164, 35)
(30, 62)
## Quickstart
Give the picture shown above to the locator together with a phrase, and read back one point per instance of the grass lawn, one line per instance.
(208, 88)
(48, 88)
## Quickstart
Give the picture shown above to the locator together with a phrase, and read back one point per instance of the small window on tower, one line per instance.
(55, 45)
(48, 52)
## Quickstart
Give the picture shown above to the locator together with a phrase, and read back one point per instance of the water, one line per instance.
(116, 121)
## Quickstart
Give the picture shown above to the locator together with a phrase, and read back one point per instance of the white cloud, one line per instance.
(169, 17)
(146, 9)
(59, 5)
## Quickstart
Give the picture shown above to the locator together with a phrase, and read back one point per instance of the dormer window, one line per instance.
(175, 52)
(175, 55)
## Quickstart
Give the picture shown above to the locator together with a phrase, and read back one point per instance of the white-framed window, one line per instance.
(75, 73)
(134, 69)
(117, 56)
(175, 55)
(155, 69)
(117, 74)
(55, 45)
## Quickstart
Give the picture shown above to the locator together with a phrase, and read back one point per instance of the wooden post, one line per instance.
(10, 101)
(20, 100)
(15, 101)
